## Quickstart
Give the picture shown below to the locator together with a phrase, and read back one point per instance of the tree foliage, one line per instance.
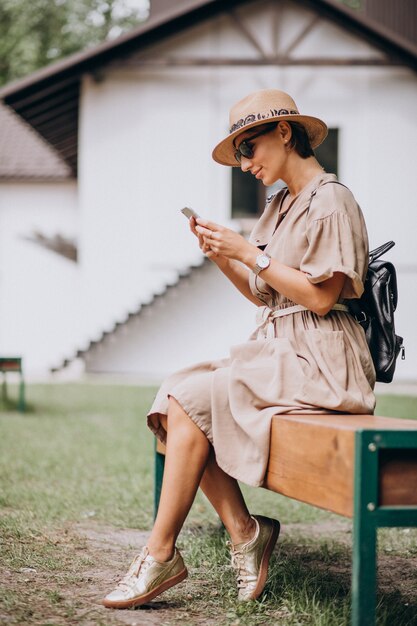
(34, 33)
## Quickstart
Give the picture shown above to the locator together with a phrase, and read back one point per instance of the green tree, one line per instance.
(34, 33)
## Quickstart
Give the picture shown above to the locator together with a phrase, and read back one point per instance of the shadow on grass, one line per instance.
(155, 605)
(321, 577)
(10, 405)
(308, 583)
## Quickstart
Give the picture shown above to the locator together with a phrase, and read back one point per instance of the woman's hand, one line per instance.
(213, 239)
(204, 247)
(222, 241)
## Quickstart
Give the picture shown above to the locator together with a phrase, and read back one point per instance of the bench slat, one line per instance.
(311, 466)
(10, 365)
(349, 421)
(312, 459)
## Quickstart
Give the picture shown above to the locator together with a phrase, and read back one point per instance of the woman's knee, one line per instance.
(180, 422)
(173, 407)
(175, 411)
(176, 414)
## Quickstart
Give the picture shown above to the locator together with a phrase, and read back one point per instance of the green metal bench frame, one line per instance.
(13, 364)
(368, 514)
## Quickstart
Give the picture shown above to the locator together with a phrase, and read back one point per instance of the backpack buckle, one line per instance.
(364, 318)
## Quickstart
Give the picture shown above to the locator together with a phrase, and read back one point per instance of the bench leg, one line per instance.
(4, 388)
(159, 474)
(364, 572)
(364, 531)
(21, 404)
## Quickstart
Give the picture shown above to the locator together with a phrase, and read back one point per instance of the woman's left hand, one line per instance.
(223, 241)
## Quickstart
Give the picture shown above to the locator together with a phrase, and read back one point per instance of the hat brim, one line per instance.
(224, 152)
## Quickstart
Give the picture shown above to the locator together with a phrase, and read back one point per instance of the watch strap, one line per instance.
(258, 268)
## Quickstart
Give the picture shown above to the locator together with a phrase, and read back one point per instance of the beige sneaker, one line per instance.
(145, 580)
(251, 559)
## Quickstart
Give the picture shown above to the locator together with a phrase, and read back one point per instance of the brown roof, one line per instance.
(24, 154)
(397, 16)
(49, 98)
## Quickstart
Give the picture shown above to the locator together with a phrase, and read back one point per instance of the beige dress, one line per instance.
(300, 362)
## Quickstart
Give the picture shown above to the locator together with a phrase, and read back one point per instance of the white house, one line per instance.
(134, 122)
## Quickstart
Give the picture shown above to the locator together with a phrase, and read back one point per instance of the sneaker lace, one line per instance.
(238, 564)
(138, 564)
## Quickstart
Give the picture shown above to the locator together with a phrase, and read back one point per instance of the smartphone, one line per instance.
(189, 212)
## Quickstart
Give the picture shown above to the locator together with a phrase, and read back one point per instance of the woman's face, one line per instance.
(269, 159)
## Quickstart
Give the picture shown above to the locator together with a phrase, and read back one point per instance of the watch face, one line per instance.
(262, 261)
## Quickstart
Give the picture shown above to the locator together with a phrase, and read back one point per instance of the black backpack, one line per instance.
(374, 311)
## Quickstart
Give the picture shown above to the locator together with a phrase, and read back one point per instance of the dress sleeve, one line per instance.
(334, 246)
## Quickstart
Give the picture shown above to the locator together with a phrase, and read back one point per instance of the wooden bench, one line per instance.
(359, 466)
(13, 364)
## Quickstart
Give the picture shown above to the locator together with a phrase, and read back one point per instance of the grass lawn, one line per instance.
(76, 494)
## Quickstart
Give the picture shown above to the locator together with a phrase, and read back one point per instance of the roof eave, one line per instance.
(180, 17)
(85, 61)
(398, 47)
(56, 88)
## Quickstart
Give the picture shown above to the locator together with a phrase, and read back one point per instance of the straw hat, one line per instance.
(268, 105)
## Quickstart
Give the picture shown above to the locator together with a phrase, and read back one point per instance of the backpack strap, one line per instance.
(375, 254)
(329, 182)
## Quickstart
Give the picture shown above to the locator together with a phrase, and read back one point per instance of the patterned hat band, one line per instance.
(253, 117)
(260, 107)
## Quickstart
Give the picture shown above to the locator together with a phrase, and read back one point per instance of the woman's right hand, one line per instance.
(204, 246)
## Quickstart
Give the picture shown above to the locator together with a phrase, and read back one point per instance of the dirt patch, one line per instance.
(116, 549)
(34, 597)
(65, 597)
(334, 530)
(112, 551)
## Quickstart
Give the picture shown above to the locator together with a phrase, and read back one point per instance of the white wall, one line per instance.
(39, 289)
(145, 143)
(147, 135)
(196, 320)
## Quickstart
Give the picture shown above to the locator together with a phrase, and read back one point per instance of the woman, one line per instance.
(307, 254)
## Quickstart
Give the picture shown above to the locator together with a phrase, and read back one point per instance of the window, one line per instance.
(327, 152)
(249, 195)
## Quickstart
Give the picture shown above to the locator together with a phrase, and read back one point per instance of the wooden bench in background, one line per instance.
(359, 466)
(13, 364)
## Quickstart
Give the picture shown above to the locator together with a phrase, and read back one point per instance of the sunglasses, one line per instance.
(245, 148)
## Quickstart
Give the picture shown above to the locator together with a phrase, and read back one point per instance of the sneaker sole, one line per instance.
(147, 597)
(263, 570)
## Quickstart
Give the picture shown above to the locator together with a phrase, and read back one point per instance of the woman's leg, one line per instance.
(188, 457)
(187, 453)
(224, 494)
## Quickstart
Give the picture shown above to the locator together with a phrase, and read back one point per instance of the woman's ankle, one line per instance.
(244, 531)
(161, 554)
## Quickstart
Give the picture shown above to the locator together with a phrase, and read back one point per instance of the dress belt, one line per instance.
(265, 317)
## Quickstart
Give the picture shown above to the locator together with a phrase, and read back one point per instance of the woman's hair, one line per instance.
(299, 138)
(300, 141)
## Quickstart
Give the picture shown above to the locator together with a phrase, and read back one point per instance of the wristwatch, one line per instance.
(262, 262)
